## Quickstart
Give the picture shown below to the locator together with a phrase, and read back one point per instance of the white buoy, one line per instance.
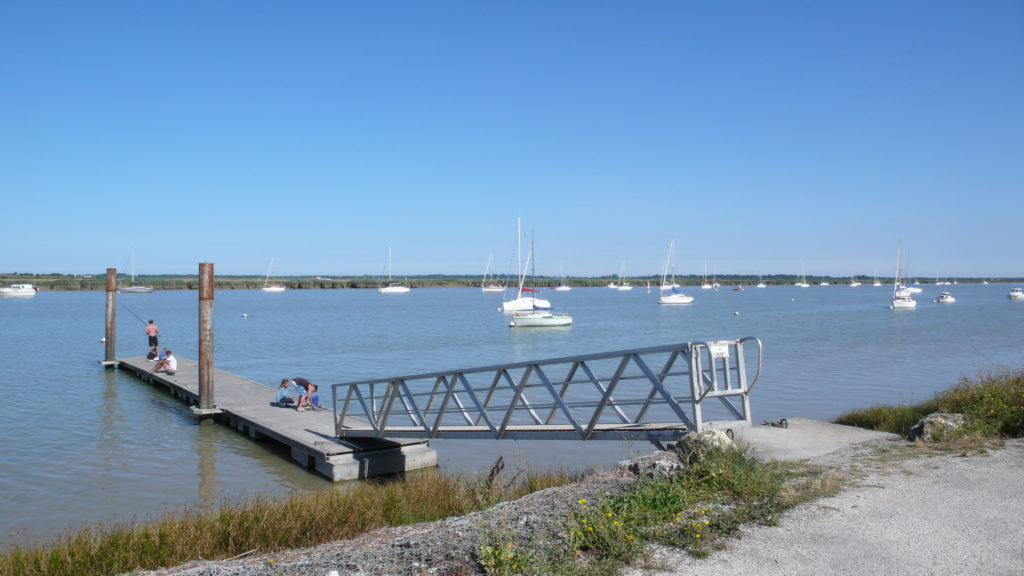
(103, 340)
(736, 313)
(245, 315)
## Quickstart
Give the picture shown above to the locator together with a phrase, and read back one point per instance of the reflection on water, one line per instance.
(102, 446)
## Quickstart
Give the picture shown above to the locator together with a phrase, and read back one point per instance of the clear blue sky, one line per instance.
(763, 136)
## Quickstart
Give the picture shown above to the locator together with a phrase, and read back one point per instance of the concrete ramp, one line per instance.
(802, 439)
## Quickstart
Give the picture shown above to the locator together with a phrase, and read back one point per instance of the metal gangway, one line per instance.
(655, 394)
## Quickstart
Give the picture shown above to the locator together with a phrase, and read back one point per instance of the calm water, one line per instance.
(87, 445)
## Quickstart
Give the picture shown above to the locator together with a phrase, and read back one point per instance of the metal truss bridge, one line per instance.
(651, 394)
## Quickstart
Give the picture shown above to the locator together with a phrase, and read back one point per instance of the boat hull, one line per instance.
(275, 288)
(675, 299)
(136, 290)
(539, 320)
(525, 304)
(903, 303)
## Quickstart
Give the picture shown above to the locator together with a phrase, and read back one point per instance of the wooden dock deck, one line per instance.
(249, 407)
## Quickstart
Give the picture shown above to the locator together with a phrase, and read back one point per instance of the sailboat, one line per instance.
(803, 279)
(392, 287)
(275, 287)
(537, 317)
(760, 281)
(523, 303)
(674, 296)
(623, 285)
(562, 286)
(489, 284)
(900, 298)
(704, 280)
(131, 288)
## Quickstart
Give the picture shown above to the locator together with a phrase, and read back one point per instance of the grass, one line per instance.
(266, 525)
(993, 403)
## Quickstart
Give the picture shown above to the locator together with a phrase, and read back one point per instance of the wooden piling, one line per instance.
(206, 371)
(110, 331)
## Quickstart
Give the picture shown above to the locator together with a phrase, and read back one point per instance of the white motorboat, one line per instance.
(1016, 294)
(392, 287)
(269, 286)
(19, 291)
(901, 299)
(131, 288)
(539, 319)
(668, 281)
(944, 298)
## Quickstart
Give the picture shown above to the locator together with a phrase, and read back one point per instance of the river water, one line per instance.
(85, 445)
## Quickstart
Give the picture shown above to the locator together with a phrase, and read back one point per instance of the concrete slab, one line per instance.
(803, 438)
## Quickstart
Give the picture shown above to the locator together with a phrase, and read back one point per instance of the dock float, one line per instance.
(249, 407)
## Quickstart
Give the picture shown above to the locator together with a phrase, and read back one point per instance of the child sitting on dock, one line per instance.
(288, 393)
(168, 364)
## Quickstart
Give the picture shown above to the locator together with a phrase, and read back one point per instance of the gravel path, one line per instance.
(936, 514)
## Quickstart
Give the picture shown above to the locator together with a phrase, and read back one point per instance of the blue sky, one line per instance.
(764, 136)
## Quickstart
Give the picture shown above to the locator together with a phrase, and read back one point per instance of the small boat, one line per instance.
(488, 284)
(737, 288)
(944, 298)
(623, 285)
(668, 281)
(539, 319)
(901, 299)
(131, 288)
(19, 291)
(392, 287)
(562, 286)
(536, 317)
(1016, 294)
(272, 287)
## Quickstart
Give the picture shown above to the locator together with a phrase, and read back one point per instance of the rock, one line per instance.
(936, 427)
(696, 442)
(661, 464)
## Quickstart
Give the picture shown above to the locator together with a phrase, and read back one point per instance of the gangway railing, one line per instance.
(654, 394)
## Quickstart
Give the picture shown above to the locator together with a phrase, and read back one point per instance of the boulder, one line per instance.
(696, 442)
(936, 427)
(661, 464)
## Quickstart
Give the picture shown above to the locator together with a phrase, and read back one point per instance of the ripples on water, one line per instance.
(87, 445)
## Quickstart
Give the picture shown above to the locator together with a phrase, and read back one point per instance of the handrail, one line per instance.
(653, 393)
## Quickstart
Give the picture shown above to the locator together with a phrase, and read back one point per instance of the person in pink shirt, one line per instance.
(153, 332)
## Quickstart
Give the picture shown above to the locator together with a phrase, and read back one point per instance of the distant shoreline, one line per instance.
(68, 282)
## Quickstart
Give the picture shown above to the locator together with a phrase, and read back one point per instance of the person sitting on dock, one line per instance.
(288, 393)
(168, 365)
(154, 354)
(307, 398)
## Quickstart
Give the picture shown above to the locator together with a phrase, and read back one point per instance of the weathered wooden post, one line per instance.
(110, 331)
(206, 403)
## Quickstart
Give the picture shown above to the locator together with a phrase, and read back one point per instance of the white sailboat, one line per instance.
(668, 282)
(623, 285)
(392, 286)
(901, 299)
(562, 286)
(803, 279)
(523, 303)
(537, 317)
(131, 288)
(272, 287)
(704, 281)
(489, 284)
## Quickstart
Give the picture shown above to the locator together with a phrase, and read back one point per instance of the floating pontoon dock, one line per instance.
(249, 407)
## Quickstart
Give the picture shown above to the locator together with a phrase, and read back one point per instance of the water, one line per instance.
(87, 445)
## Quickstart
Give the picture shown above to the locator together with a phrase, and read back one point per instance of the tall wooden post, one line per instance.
(206, 403)
(110, 331)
